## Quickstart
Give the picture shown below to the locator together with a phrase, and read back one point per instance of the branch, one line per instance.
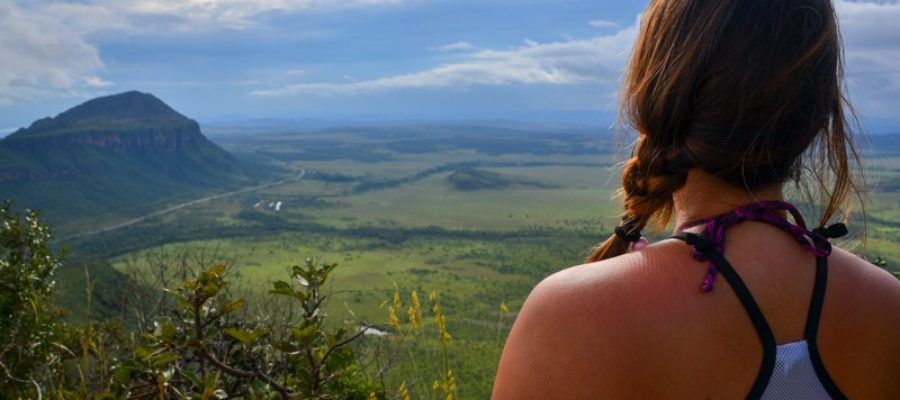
(31, 381)
(344, 343)
(283, 391)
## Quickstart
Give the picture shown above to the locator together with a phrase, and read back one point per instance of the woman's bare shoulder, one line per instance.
(859, 334)
(584, 320)
(861, 281)
(862, 295)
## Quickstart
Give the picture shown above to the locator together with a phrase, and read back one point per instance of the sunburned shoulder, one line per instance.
(584, 314)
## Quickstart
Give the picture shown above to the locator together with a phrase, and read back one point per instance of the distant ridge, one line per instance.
(116, 153)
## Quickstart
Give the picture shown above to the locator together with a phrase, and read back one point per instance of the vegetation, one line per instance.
(197, 344)
(27, 320)
(473, 179)
(378, 201)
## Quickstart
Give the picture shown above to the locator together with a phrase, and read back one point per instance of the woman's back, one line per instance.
(638, 327)
(731, 100)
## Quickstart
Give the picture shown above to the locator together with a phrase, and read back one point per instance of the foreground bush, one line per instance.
(27, 327)
(201, 343)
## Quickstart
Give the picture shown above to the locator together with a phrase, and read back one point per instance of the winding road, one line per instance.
(184, 205)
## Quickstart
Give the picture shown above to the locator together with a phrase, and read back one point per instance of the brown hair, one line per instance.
(741, 89)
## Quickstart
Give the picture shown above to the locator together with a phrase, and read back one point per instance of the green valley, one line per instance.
(476, 213)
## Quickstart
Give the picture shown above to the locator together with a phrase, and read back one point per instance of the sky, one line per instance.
(222, 61)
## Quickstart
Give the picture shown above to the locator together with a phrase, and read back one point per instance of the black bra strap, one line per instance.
(812, 330)
(702, 244)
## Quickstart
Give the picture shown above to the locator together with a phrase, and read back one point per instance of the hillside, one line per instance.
(470, 179)
(118, 154)
(474, 179)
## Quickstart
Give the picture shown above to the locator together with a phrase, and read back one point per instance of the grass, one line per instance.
(493, 247)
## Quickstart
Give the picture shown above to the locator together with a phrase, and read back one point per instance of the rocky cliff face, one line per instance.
(104, 135)
(148, 139)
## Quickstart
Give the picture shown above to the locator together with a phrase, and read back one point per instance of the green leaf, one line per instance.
(242, 335)
(260, 333)
(143, 352)
(192, 376)
(304, 335)
(165, 330)
(330, 267)
(210, 289)
(163, 359)
(231, 306)
(282, 288)
(122, 375)
(286, 347)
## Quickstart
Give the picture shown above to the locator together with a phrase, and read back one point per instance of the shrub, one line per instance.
(26, 316)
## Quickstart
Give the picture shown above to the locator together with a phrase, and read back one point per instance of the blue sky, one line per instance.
(228, 60)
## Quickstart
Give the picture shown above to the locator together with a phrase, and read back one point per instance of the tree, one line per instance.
(26, 315)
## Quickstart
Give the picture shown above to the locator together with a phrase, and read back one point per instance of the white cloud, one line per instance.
(595, 61)
(872, 42)
(44, 52)
(41, 58)
(602, 23)
(870, 29)
(229, 14)
(455, 46)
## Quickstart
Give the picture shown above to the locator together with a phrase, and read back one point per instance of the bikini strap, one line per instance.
(703, 245)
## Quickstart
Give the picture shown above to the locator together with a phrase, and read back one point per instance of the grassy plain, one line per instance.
(379, 203)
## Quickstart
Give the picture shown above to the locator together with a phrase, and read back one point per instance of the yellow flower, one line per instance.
(450, 386)
(404, 392)
(415, 311)
(393, 320)
(442, 327)
(397, 304)
(504, 308)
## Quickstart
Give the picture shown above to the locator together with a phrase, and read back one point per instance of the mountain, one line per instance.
(121, 154)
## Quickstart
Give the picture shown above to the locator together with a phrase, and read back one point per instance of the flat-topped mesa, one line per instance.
(128, 122)
(108, 135)
(104, 113)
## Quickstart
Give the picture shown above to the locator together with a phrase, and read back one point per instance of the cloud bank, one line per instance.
(870, 29)
(40, 58)
(46, 51)
(597, 60)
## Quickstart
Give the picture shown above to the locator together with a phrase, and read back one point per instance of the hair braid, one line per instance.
(648, 182)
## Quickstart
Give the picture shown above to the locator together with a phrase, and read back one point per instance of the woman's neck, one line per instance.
(705, 195)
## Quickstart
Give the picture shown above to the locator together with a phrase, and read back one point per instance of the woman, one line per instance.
(731, 99)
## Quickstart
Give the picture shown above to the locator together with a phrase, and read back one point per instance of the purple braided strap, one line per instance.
(764, 211)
